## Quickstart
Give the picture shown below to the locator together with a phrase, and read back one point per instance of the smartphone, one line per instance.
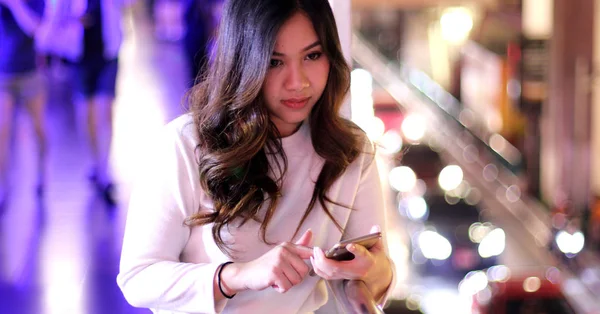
(339, 252)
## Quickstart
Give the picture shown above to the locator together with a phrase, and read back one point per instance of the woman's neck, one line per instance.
(290, 131)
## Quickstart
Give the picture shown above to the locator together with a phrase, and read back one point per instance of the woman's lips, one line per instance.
(295, 103)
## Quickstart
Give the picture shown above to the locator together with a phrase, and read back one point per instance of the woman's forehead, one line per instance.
(296, 35)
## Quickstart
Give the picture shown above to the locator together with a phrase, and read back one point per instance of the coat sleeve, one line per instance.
(151, 273)
(369, 207)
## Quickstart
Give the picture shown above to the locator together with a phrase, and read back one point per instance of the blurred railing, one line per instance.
(452, 111)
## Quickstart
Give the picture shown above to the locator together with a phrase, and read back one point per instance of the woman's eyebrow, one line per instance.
(316, 43)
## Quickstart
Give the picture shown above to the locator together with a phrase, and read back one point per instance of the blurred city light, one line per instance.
(442, 301)
(434, 246)
(402, 179)
(513, 193)
(451, 199)
(416, 208)
(492, 244)
(456, 24)
(450, 177)
(413, 127)
(478, 231)
(361, 105)
(538, 18)
(374, 129)
(484, 296)
(498, 273)
(570, 243)
(462, 189)
(532, 284)
(473, 197)
(474, 282)
(362, 82)
(553, 275)
(391, 141)
(513, 89)
(490, 172)
(413, 302)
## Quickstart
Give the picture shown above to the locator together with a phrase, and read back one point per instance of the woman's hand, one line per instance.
(281, 268)
(371, 266)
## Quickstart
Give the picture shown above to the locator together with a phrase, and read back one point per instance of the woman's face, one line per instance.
(297, 75)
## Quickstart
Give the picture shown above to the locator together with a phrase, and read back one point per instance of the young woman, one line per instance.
(20, 82)
(262, 175)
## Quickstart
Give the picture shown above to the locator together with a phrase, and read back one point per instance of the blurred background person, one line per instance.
(88, 35)
(20, 82)
(166, 15)
(200, 18)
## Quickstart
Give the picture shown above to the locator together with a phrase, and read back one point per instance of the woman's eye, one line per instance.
(275, 63)
(314, 55)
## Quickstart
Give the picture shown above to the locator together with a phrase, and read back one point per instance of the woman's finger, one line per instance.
(302, 251)
(281, 282)
(359, 251)
(299, 266)
(316, 270)
(325, 265)
(290, 272)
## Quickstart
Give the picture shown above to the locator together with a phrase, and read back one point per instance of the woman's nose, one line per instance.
(297, 79)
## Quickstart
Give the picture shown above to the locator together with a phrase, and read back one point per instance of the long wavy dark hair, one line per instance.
(234, 130)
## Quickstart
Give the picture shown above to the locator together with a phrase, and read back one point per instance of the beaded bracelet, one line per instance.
(219, 280)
